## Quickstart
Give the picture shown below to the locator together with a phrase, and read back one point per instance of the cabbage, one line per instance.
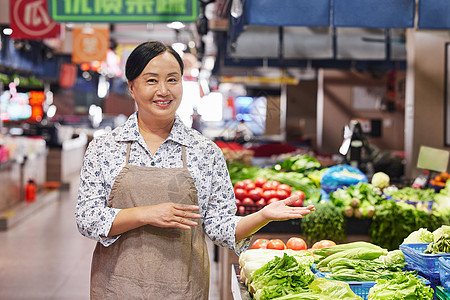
(380, 180)
(444, 229)
(393, 257)
(419, 236)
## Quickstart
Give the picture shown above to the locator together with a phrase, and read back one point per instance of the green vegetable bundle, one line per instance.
(404, 285)
(441, 246)
(300, 163)
(326, 223)
(279, 277)
(355, 250)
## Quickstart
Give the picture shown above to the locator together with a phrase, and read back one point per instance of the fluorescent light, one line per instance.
(7, 31)
(176, 25)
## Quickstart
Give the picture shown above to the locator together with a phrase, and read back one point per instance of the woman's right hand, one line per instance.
(170, 215)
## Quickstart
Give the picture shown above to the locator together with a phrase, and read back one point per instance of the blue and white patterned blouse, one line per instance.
(105, 158)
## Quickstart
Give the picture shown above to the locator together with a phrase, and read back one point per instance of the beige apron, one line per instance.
(151, 262)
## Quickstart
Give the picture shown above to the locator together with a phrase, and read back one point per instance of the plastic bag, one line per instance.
(341, 176)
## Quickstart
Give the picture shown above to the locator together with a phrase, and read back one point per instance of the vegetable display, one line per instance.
(327, 222)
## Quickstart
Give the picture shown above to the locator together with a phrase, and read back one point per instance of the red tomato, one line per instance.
(255, 194)
(248, 201)
(239, 185)
(248, 181)
(269, 194)
(250, 186)
(272, 200)
(259, 182)
(269, 186)
(276, 244)
(301, 198)
(286, 188)
(260, 244)
(300, 194)
(322, 244)
(261, 202)
(281, 194)
(237, 201)
(241, 210)
(296, 243)
(240, 193)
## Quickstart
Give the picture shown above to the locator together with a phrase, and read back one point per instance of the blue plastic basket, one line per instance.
(426, 264)
(444, 272)
(362, 288)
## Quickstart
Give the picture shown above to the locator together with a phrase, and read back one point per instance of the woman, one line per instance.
(147, 186)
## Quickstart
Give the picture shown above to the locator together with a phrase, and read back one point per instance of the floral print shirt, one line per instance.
(105, 158)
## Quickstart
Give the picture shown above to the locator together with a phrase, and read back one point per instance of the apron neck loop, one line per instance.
(183, 156)
(128, 152)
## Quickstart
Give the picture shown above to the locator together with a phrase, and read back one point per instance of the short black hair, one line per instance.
(144, 53)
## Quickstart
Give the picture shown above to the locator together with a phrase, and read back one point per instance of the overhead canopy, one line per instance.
(434, 14)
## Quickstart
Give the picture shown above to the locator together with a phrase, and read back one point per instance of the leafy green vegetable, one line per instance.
(411, 194)
(354, 253)
(444, 229)
(441, 246)
(419, 236)
(394, 221)
(280, 276)
(393, 257)
(404, 285)
(380, 180)
(300, 163)
(325, 223)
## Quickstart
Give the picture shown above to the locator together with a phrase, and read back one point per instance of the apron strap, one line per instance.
(128, 152)
(183, 156)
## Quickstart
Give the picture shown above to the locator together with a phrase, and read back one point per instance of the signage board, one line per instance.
(123, 11)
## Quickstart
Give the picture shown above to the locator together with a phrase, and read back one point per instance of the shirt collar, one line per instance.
(129, 131)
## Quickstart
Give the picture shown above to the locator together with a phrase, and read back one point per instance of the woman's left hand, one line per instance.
(281, 210)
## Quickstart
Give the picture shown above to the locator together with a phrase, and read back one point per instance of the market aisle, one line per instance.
(45, 257)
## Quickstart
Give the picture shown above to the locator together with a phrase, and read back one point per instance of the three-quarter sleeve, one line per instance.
(94, 218)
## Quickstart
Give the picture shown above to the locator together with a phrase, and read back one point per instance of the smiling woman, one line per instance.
(146, 187)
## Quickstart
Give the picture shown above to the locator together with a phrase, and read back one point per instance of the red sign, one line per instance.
(29, 20)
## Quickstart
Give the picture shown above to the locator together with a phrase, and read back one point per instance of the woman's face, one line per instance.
(158, 89)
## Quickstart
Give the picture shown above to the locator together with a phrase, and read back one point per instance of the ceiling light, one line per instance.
(179, 47)
(176, 25)
(7, 31)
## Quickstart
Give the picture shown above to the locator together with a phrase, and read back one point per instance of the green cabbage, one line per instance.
(444, 229)
(380, 180)
(419, 236)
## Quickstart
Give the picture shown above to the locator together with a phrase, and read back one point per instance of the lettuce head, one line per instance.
(419, 236)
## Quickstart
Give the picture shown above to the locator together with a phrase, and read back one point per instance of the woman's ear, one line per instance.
(130, 88)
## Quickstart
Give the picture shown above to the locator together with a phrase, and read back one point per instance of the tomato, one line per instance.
(248, 181)
(269, 194)
(276, 244)
(250, 186)
(301, 198)
(237, 201)
(259, 182)
(247, 201)
(296, 243)
(286, 188)
(241, 210)
(260, 244)
(239, 185)
(261, 202)
(240, 193)
(300, 194)
(271, 185)
(256, 193)
(281, 194)
(322, 244)
(272, 200)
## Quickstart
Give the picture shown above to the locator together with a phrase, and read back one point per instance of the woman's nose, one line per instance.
(162, 88)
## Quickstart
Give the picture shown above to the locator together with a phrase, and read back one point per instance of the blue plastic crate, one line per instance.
(426, 264)
(362, 288)
(444, 272)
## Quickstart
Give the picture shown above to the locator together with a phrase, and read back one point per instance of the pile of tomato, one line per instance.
(252, 195)
(294, 243)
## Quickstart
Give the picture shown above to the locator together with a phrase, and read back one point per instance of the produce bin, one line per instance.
(442, 294)
(360, 288)
(426, 264)
(444, 272)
